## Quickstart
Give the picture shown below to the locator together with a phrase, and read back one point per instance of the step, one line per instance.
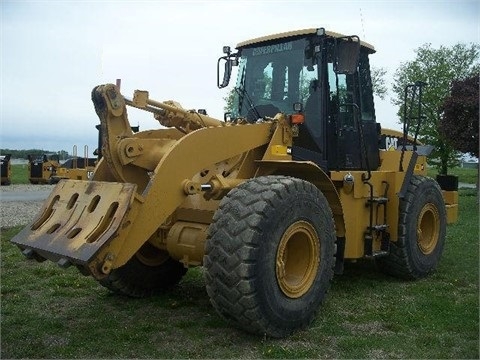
(378, 200)
(379, 227)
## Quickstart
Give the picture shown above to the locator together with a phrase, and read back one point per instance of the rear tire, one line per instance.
(421, 232)
(148, 272)
(269, 255)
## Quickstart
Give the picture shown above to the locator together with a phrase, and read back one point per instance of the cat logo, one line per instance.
(391, 143)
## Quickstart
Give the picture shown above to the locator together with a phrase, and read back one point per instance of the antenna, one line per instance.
(361, 21)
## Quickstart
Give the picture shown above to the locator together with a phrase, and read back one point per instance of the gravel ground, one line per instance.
(13, 213)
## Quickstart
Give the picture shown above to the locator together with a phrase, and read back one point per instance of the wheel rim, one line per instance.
(151, 256)
(428, 228)
(298, 259)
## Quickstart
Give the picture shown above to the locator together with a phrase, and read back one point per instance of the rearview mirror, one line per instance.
(230, 60)
(347, 53)
(227, 72)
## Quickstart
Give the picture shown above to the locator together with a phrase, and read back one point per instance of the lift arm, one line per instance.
(99, 225)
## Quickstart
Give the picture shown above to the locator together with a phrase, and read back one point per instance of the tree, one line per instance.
(460, 120)
(378, 82)
(229, 100)
(438, 68)
(23, 154)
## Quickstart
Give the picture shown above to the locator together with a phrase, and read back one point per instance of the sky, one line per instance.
(53, 53)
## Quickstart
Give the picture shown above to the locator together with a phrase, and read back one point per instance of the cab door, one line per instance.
(353, 134)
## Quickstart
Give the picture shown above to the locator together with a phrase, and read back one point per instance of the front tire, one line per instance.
(148, 272)
(421, 232)
(269, 255)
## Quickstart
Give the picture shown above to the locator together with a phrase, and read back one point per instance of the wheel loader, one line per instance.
(41, 168)
(297, 179)
(75, 168)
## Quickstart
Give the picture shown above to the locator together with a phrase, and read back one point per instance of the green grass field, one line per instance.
(19, 174)
(468, 176)
(48, 312)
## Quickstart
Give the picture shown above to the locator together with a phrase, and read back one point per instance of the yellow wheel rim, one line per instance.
(428, 229)
(298, 259)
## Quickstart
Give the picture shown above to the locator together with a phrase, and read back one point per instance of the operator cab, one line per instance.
(323, 75)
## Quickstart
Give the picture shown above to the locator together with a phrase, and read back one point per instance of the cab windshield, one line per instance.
(271, 78)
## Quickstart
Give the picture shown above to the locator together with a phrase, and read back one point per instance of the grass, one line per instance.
(465, 175)
(48, 312)
(19, 174)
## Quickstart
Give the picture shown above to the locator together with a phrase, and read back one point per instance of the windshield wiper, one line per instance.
(242, 92)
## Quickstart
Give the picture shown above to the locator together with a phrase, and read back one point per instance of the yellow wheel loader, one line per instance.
(42, 168)
(297, 179)
(77, 168)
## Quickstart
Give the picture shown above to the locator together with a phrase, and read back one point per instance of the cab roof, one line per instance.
(297, 33)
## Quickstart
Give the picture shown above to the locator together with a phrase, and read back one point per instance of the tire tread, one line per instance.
(230, 264)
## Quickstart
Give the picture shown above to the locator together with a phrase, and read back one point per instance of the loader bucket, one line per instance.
(76, 221)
